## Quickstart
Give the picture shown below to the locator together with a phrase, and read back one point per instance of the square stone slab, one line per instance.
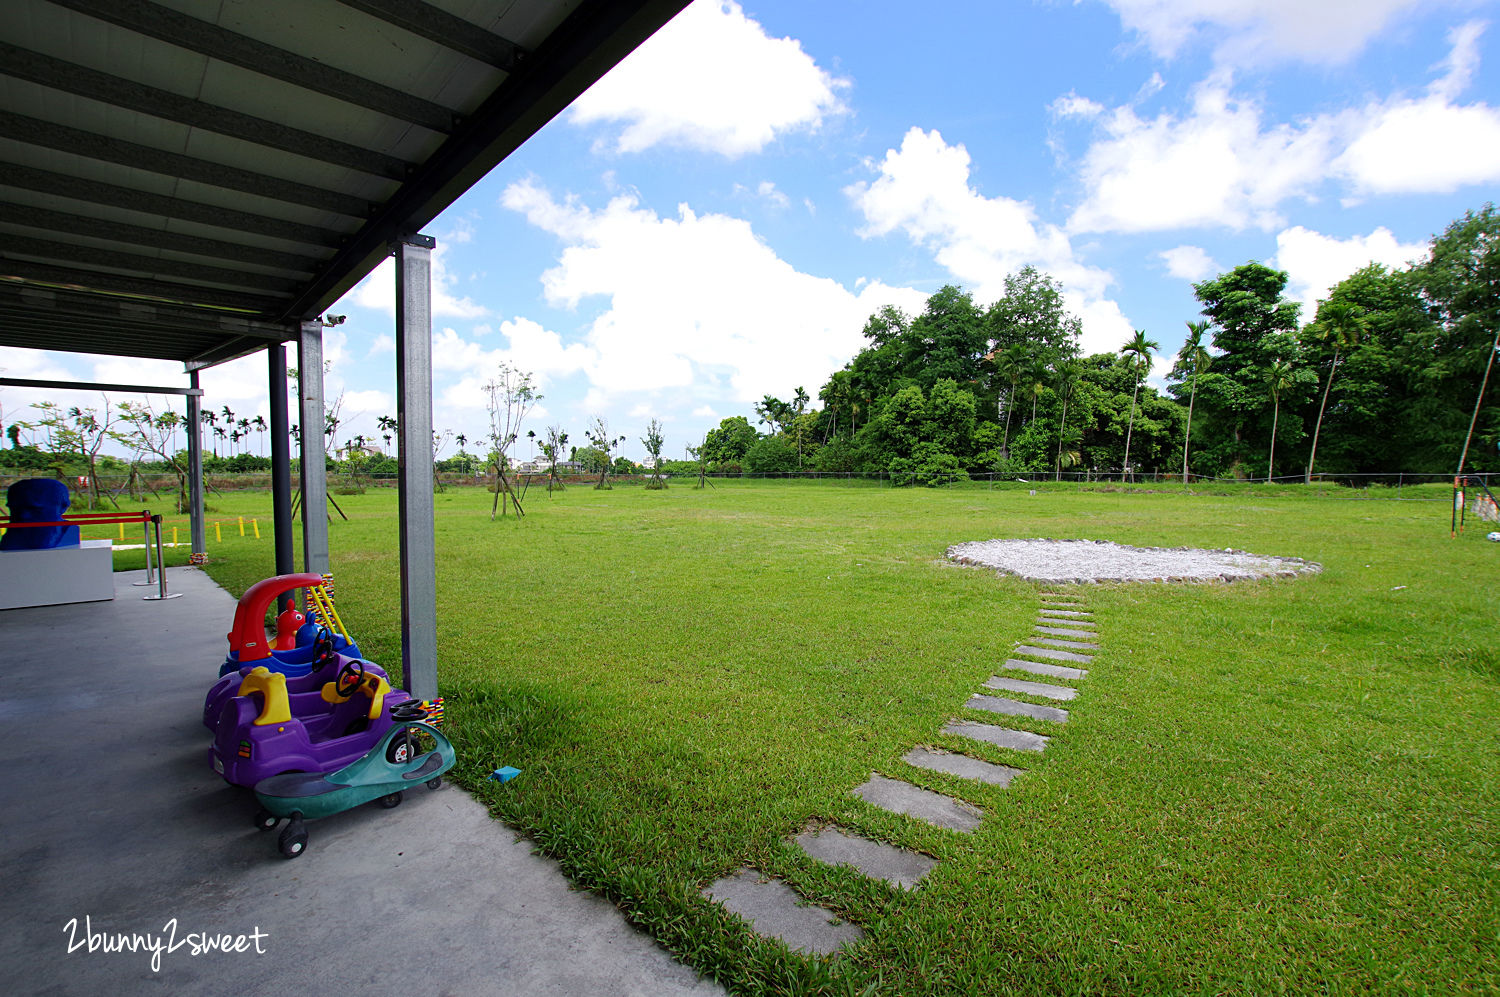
(1000, 737)
(1016, 708)
(774, 909)
(1053, 653)
(1055, 621)
(900, 867)
(1037, 668)
(1056, 642)
(1031, 688)
(913, 801)
(1065, 632)
(1074, 613)
(961, 765)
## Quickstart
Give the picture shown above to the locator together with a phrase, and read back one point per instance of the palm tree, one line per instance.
(210, 420)
(1037, 377)
(1194, 353)
(260, 427)
(1340, 323)
(1137, 351)
(1010, 363)
(1279, 377)
(1067, 379)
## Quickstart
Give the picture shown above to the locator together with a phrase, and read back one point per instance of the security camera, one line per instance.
(332, 320)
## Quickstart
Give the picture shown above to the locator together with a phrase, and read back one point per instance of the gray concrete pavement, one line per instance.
(113, 822)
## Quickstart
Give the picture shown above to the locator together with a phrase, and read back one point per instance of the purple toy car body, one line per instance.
(264, 730)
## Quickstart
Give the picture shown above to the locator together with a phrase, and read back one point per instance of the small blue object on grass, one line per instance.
(506, 774)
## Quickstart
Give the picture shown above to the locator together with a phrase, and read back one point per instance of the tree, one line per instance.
(552, 445)
(81, 432)
(1195, 359)
(1339, 323)
(774, 412)
(261, 427)
(387, 426)
(652, 441)
(1066, 377)
(1280, 376)
(1010, 364)
(599, 438)
(799, 402)
(1137, 350)
(727, 443)
(157, 435)
(510, 394)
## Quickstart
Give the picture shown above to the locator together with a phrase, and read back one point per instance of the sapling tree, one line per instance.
(552, 444)
(652, 441)
(598, 436)
(156, 434)
(511, 394)
(81, 432)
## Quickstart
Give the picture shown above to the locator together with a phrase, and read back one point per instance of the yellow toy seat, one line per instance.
(275, 708)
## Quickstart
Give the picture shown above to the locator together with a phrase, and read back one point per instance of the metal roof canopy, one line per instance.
(190, 179)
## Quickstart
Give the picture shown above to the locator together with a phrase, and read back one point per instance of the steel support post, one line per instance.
(281, 461)
(414, 456)
(195, 467)
(313, 473)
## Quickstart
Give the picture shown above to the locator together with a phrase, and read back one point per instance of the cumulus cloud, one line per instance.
(1315, 262)
(1189, 263)
(1221, 164)
(378, 290)
(923, 190)
(713, 80)
(1263, 31)
(692, 299)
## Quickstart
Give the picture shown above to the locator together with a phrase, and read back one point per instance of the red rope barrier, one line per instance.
(98, 518)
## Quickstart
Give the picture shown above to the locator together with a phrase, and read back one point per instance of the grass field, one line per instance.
(1277, 787)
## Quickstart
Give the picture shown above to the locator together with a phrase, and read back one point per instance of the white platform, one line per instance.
(52, 577)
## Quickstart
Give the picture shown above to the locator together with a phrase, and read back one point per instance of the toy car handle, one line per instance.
(248, 637)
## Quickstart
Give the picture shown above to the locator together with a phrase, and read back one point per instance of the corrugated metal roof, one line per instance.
(190, 179)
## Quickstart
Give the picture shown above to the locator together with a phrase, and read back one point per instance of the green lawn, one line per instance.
(1277, 787)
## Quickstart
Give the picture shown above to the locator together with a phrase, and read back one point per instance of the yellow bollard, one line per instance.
(174, 536)
(242, 526)
(218, 533)
(256, 523)
(122, 532)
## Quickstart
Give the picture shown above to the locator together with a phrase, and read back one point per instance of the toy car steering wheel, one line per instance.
(353, 668)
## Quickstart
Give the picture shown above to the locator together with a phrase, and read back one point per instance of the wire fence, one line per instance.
(1404, 485)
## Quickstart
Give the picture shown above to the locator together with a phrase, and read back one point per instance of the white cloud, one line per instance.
(711, 79)
(1189, 263)
(705, 412)
(923, 190)
(1261, 31)
(693, 298)
(1221, 164)
(383, 343)
(378, 290)
(1315, 262)
(1070, 105)
(1428, 144)
(1215, 166)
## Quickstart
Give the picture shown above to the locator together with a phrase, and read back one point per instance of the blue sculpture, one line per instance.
(38, 500)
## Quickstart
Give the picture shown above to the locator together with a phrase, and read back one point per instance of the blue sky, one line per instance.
(715, 219)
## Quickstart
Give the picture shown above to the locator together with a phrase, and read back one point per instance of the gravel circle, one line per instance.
(1086, 561)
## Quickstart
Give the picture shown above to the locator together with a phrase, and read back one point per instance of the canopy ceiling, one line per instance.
(190, 179)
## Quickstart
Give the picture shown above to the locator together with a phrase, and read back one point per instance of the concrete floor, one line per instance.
(110, 815)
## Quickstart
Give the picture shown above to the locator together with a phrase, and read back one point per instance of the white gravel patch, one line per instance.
(1083, 561)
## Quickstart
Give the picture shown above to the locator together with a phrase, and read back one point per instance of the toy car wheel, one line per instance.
(434, 782)
(400, 751)
(393, 800)
(293, 840)
(266, 821)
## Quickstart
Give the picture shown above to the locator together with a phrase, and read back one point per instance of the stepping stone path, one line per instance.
(1065, 632)
(773, 908)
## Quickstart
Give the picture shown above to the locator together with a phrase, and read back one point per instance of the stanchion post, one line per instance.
(146, 540)
(161, 592)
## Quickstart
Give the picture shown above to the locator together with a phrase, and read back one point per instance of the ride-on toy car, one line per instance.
(323, 666)
(263, 730)
(293, 651)
(397, 762)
